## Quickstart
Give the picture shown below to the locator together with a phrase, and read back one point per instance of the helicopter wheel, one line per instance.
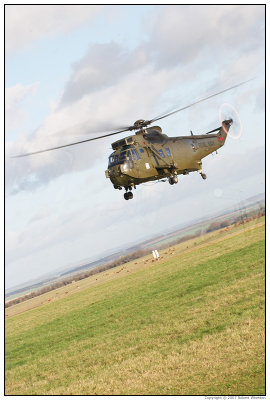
(128, 195)
(173, 180)
(203, 176)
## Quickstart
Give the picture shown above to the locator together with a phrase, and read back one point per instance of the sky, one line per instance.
(73, 72)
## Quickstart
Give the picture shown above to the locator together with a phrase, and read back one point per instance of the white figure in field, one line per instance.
(155, 254)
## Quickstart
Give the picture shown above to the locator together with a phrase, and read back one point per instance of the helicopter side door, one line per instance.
(162, 157)
(144, 163)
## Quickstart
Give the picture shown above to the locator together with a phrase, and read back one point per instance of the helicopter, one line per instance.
(151, 155)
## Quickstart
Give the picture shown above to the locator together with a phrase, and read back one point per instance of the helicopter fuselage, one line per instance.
(151, 155)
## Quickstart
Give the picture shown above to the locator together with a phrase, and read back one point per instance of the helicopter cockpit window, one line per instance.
(125, 155)
(116, 159)
(135, 155)
(122, 156)
(113, 159)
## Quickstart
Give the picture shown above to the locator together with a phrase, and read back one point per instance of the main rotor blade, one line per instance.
(196, 102)
(70, 144)
(134, 126)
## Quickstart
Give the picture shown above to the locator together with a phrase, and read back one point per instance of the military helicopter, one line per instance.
(151, 155)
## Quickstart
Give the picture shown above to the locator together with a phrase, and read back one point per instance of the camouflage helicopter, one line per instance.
(151, 155)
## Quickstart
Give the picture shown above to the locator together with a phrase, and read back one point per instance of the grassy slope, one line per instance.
(190, 324)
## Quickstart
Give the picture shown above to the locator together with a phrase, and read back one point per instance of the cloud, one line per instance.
(154, 207)
(104, 65)
(42, 213)
(14, 100)
(112, 86)
(183, 34)
(25, 24)
(119, 102)
(238, 67)
(260, 99)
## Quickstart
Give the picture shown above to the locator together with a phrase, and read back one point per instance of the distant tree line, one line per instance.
(219, 225)
(82, 275)
(248, 216)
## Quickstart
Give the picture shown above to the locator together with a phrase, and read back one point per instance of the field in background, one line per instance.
(252, 211)
(189, 324)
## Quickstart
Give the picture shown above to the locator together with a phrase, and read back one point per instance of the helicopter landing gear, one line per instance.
(173, 180)
(128, 195)
(203, 175)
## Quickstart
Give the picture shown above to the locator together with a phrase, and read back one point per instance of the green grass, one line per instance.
(189, 325)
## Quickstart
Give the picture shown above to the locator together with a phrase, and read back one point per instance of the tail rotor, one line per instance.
(228, 112)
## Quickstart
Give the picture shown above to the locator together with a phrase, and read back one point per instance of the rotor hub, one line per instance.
(140, 123)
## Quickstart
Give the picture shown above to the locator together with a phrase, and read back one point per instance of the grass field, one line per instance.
(189, 324)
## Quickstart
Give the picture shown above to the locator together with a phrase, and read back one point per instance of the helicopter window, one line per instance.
(122, 156)
(125, 155)
(141, 150)
(161, 153)
(129, 155)
(168, 151)
(135, 154)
